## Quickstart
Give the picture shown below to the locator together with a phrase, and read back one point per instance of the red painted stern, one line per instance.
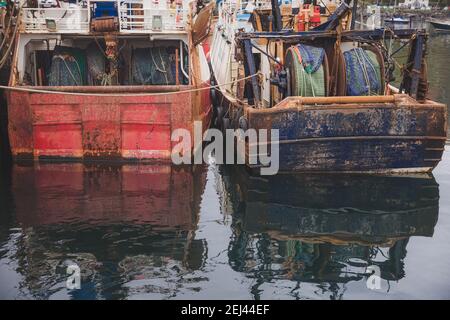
(129, 126)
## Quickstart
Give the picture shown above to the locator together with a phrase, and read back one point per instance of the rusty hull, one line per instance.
(131, 127)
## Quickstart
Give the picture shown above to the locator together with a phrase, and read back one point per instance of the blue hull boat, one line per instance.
(329, 94)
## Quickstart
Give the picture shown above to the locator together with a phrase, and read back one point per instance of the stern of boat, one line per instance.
(401, 136)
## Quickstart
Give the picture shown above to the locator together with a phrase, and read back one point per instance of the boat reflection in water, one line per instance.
(130, 229)
(325, 229)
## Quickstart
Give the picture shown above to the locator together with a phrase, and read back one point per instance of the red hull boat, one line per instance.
(150, 81)
(48, 125)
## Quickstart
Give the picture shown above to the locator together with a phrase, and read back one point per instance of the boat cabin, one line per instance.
(107, 79)
(101, 43)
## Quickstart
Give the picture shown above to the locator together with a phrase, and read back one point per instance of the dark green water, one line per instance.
(160, 232)
(439, 67)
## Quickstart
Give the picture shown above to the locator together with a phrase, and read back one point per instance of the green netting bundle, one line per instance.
(96, 64)
(307, 72)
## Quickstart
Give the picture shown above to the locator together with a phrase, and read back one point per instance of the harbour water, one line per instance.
(214, 232)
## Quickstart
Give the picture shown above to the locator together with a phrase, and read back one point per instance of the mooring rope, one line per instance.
(31, 90)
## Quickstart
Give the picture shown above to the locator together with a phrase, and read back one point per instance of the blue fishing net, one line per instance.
(96, 65)
(312, 57)
(151, 66)
(363, 73)
(68, 67)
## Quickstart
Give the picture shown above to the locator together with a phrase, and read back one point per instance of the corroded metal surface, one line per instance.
(74, 126)
(404, 136)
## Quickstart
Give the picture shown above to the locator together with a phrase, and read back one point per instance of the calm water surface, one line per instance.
(162, 232)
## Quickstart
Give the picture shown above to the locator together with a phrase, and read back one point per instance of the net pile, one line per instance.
(96, 62)
(68, 67)
(363, 72)
(151, 66)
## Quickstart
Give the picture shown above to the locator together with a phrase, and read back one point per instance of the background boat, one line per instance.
(440, 24)
(397, 20)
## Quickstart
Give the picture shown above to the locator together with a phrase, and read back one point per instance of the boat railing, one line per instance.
(137, 20)
(61, 20)
(232, 6)
(232, 12)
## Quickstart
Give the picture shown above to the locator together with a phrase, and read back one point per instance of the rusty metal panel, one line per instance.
(404, 136)
(146, 131)
(78, 126)
(20, 126)
(101, 130)
(183, 115)
(57, 130)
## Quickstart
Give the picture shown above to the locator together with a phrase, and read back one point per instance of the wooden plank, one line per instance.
(345, 99)
(376, 34)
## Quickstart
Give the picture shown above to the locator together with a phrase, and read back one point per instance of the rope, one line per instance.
(21, 89)
(364, 69)
(10, 45)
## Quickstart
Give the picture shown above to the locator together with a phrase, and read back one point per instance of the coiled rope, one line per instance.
(9, 45)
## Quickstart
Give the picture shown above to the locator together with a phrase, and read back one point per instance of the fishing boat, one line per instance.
(328, 90)
(397, 20)
(107, 79)
(439, 24)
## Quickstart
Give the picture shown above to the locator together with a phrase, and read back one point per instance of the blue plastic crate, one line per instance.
(105, 9)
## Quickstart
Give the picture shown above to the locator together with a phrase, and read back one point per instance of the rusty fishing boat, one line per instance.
(327, 88)
(107, 79)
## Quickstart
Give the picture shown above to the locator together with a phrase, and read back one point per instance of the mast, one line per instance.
(277, 23)
(354, 8)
